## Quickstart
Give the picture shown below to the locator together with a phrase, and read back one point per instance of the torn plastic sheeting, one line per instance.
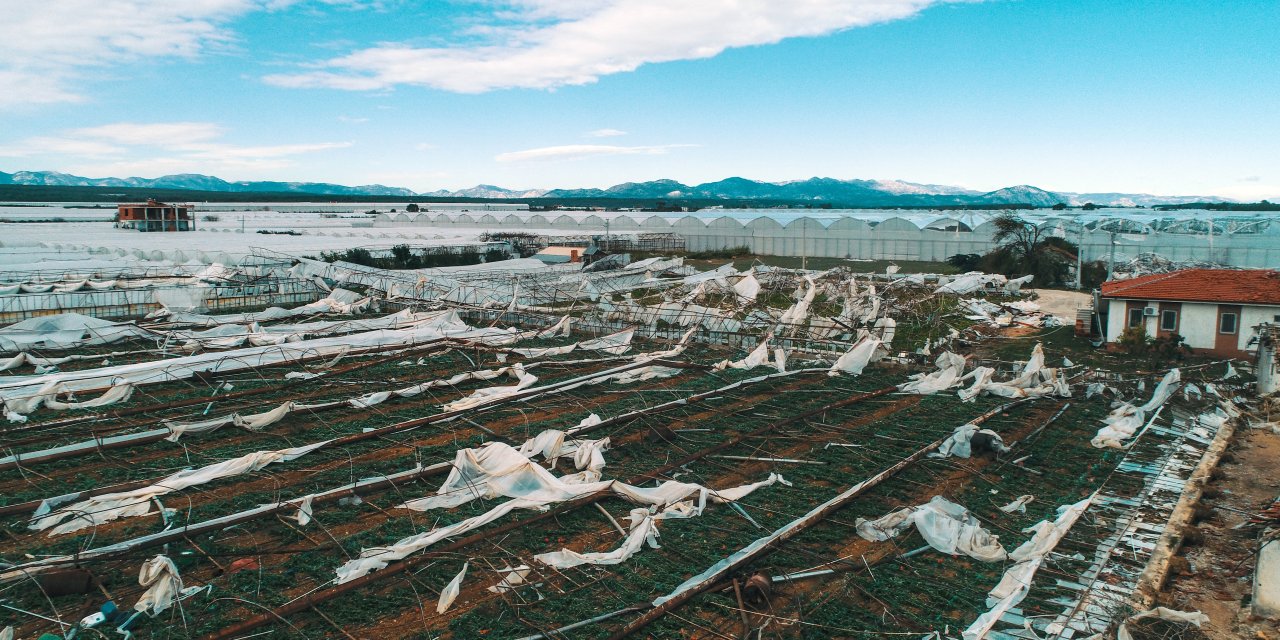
(945, 525)
(960, 443)
(252, 421)
(107, 507)
(339, 301)
(46, 396)
(500, 470)
(888, 327)
(1170, 615)
(1016, 581)
(949, 373)
(799, 312)
(514, 577)
(1122, 423)
(450, 591)
(305, 510)
(1033, 380)
(856, 359)
(972, 281)
(644, 530)
(747, 287)
(496, 469)
(615, 344)
(560, 328)
(524, 380)
(153, 372)
(26, 358)
(66, 331)
(668, 493)
(758, 356)
(1019, 505)
(160, 576)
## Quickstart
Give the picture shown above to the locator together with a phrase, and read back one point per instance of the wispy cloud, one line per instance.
(605, 133)
(551, 43)
(352, 119)
(47, 47)
(131, 148)
(576, 151)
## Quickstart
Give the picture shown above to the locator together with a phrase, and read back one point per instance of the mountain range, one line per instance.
(849, 193)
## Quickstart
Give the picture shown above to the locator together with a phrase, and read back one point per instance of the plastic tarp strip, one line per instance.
(107, 507)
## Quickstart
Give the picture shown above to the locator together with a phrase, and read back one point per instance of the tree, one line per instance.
(1024, 248)
(412, 208)
(965, 262)
(1061, 206)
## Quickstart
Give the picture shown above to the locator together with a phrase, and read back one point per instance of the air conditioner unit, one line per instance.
(1150, 312)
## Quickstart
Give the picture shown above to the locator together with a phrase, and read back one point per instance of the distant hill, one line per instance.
(814, 191)
(197, 182)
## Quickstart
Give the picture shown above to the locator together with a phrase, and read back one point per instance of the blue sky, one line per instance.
(1167, 97)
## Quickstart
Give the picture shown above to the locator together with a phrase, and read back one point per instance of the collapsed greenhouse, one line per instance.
(518, 450)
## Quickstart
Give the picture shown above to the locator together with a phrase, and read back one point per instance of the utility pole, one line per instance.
(804, 249)
(1079, 256)
(1111, 264)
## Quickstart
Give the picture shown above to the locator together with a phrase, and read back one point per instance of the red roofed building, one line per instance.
(1216, 311)
(155, 216)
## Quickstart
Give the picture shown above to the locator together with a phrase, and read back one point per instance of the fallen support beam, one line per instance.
(762, 546)
(1153, 577)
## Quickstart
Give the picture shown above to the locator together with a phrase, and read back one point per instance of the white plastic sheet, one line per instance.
(1016, 581)
(104, 508)
(758, 356)
(160, 576)
(644, 530)
(450, 591)
(856, 359)
(945, 525)
(447, 325)
(960, 443)
(950, 370)
(497, 470)
(1122, 423)
(66, 331)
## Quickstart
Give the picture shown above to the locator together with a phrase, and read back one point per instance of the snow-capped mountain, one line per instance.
(816, 190)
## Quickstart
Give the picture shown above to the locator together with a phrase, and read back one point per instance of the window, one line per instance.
(1169, 320)
(1227, 324)
(1135, 317)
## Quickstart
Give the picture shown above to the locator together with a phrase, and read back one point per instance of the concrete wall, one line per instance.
(893, 238)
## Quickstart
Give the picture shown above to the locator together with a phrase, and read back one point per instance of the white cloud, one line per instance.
(165, 134)
(571, 42)
(424, 146)
(46, 45)
(352, 119)
(131, 148)
(576, 151)
(605, 133)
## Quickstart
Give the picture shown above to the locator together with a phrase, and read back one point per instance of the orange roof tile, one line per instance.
(1229, 286)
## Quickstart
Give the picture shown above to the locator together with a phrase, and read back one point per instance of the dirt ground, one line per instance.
(1062, 303)
(1217, 577)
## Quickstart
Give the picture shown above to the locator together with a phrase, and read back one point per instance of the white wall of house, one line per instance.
(1197, 322)
(1254, 316)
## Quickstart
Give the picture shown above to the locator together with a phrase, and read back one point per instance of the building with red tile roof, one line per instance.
(1216, 311)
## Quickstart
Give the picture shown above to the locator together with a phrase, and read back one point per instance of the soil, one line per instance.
(1062, 303)
(1217, 576)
